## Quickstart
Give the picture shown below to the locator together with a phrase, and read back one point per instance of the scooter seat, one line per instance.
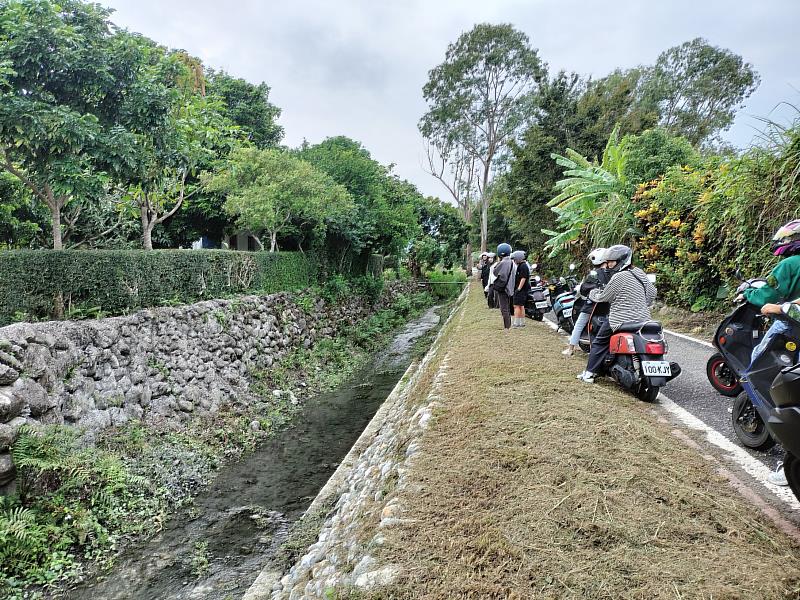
(644, 326)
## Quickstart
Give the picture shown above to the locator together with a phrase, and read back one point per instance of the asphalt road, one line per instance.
(692, 392)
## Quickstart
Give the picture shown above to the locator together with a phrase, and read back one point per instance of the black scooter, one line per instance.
(736, 337)
(783, 421)
(537, 304)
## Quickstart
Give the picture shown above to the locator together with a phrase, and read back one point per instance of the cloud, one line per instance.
(357, 67)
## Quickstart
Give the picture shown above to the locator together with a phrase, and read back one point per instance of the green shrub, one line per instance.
(446, 285)
(335, 288)
(369, 286)
(72, 502)
(112, 282)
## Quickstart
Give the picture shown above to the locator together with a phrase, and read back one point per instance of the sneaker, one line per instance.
(568, 352)
(586, 377)
(778, 477)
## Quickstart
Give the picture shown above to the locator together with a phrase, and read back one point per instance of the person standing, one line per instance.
(522, 286)
(503, 284)
(486, 265)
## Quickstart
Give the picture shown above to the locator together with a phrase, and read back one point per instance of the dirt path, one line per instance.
(530, 484)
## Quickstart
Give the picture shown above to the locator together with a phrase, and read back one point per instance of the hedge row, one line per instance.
(36, 284)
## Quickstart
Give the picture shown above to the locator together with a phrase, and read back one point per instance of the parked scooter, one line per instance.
(736, 337)
(636, 359)
(783, 421)
(720, 374)
(563, 299)
(537, 304)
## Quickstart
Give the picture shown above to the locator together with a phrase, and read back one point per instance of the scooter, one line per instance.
(636, 359)
(563, 299)
(720, 374)
(736, 337)
(536, 304)
(783, 421)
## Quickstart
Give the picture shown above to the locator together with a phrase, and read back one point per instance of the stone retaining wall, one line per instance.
(158, 364)
(362, 491)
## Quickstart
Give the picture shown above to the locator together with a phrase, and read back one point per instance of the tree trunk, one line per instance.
(468, 249)
(147, 238)
(55, 212)
(273, 241)
(485, 203)
(484, 220)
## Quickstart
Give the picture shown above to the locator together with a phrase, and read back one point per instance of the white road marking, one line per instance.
(689, 338)
(737, 454)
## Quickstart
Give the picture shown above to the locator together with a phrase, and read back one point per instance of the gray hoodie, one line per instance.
(506, 269)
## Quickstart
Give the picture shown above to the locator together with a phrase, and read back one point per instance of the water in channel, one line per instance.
(243, 517)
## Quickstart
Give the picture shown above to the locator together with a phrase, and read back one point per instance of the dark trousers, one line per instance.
(504, 300)
(599, 350)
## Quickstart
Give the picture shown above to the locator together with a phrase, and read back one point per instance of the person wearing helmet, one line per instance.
(485, 266)
(503, 284)
(783, 283)
(522, 285)
(629, 293)
(595, 277)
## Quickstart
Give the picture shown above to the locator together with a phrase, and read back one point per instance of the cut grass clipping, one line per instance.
(533, 485)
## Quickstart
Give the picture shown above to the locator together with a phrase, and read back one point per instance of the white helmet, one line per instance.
(597, 256)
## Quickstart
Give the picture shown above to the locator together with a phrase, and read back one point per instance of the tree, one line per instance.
(441, 238)
(21, 220)
(649, 154)
(271, 191)
(480, 97)
(171, 157)
(382, 219)
(72, 100)
(698, 88)
(455, 169)
(612, 101)
(248, 106)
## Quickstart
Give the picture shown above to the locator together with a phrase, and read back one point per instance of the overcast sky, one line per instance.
(357, 67)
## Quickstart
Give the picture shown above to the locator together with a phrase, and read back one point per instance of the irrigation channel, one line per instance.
(242, 519)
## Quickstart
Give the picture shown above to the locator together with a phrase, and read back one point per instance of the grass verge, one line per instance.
(533, 485)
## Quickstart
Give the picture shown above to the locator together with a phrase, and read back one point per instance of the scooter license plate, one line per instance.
(653, 368)
(567, 312)
(542, 305)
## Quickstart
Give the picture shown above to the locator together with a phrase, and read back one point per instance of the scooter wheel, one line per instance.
(791, 468)
(722, 377)
(748, 425)
(567, 325)
(538, 317)
(585, 346)
(647, 393)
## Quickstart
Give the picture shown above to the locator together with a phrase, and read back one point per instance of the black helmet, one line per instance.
(621, 254)
(503, 250)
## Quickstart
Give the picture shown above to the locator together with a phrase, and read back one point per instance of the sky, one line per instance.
(357, 67)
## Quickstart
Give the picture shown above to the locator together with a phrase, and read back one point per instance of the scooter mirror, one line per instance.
(537, 279)
(739, 275)
(572, 266)
(651, 277)
(593, 273)
(535, 266)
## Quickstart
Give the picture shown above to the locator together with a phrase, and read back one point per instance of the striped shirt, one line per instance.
(629, 294)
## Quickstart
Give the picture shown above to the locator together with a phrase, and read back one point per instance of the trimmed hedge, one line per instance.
(113, 282)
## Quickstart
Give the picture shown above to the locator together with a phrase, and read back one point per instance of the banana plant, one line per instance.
(586, 186)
